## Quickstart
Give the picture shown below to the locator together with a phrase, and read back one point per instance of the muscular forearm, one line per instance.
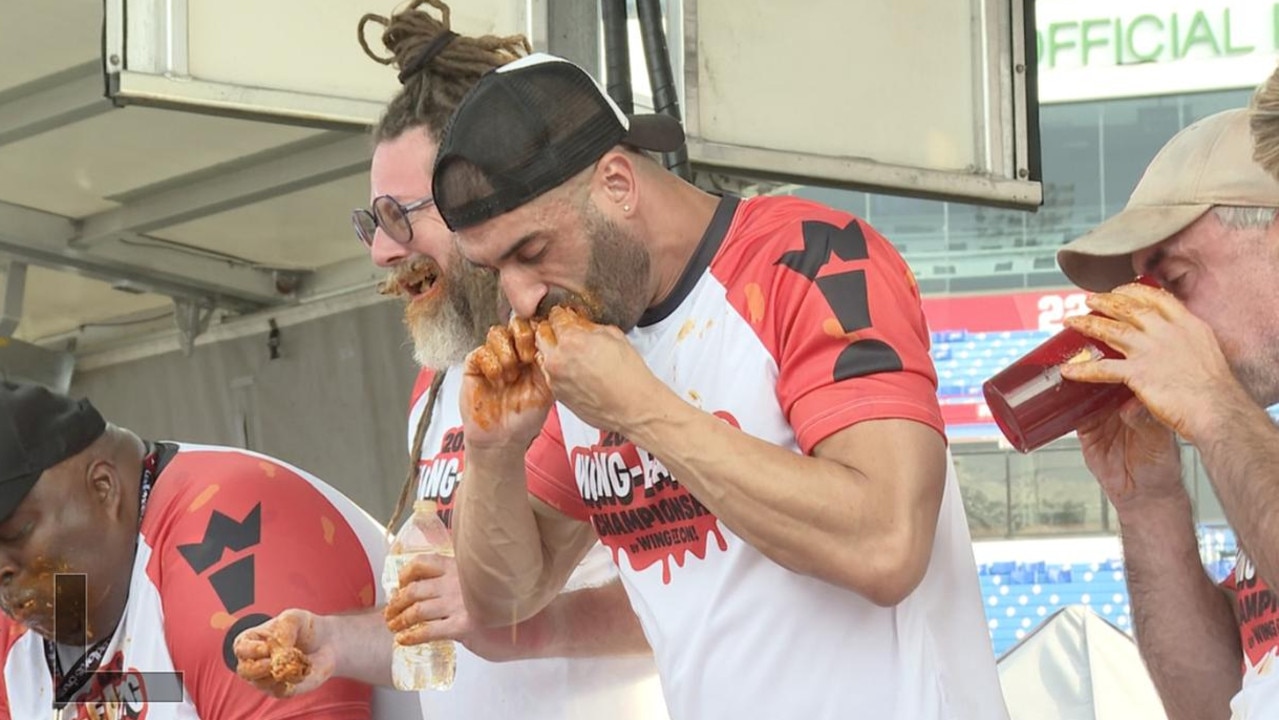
(1184, 624)
(499, 547)
(591, 622)
(1240, 451)
(361, 644)
(851, 526)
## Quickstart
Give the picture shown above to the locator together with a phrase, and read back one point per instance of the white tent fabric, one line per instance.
(1077, 666)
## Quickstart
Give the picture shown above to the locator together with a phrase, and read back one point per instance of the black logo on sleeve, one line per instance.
(223, 533)
(846, 292)
(235, 584)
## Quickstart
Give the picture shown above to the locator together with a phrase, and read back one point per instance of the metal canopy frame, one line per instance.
(113, 246)
(52, 102)
(116, 246)
(160, 75)
(119, 247)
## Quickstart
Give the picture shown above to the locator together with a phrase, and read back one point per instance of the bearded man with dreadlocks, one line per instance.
(552, 665)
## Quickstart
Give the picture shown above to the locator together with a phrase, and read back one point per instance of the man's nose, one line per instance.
(523, 294)
(385, 251)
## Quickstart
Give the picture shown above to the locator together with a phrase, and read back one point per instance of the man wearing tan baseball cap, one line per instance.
(1206, 165)
(1202, 357)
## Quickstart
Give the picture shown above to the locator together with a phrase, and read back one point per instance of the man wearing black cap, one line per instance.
(127, 568)
(551, 668)
(747, 405)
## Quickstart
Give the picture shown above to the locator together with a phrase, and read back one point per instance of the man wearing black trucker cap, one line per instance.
(748, 409)
(1203, 361)
(127, 568)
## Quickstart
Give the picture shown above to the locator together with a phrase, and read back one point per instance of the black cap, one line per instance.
(526, 128)
(38, 429)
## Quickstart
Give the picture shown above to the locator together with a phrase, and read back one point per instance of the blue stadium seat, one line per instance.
(1019, 596)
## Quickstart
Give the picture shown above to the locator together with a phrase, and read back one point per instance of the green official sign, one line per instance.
(1155, 37)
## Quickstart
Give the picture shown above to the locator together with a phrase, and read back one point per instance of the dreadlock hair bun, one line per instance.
(430, 93)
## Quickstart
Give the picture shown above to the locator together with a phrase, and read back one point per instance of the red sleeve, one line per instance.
(550, 476)
(839, 310)
(237, 539)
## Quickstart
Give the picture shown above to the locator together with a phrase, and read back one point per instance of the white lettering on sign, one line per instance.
(1055, 308)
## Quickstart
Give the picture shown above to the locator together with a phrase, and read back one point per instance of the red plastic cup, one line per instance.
(1033, 404)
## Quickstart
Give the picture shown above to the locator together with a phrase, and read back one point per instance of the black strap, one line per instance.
(66, 685)
(435, 47)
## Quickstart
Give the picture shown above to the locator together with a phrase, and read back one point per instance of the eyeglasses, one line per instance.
(387, 213)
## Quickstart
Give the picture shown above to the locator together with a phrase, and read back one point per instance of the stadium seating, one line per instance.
(964, 360)
(1019, 595)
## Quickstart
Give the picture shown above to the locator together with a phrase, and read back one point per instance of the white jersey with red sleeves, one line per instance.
(544, 689)
(230, 538)
(792, 322)
(1257, 611)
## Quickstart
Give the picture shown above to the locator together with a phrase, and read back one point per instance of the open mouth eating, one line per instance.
(412, 279)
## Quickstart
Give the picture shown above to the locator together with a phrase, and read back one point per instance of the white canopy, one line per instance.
(1077, 666)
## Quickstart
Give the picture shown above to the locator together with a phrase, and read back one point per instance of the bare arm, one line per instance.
(1239, 447)
(362, 645)
(514, 552)
(1186, 630)
(356, 646)
(861, 513)
(591, 622)
(1185, 624)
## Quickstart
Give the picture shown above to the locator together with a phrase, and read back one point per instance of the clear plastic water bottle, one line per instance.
(429, 665)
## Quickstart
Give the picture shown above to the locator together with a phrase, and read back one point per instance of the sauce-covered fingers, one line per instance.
(423, 567)
(251, 648)
(254, 670)
(546, 338)
(1117, 334)
(1131, 310)
(421, 633)
(501, 344)
(564, 317)
(483, 362)
(525, 342)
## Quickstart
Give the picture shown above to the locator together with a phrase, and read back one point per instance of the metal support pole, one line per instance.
(15, 288)
(617, 54)
(661, 77)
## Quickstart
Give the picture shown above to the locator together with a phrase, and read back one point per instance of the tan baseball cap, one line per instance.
(1209, 163)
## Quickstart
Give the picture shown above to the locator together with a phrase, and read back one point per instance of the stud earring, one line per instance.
(626, 208)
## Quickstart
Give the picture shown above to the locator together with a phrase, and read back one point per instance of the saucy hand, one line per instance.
(286, 655)
(505, 398)
(594, 371)
(1171, 359)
